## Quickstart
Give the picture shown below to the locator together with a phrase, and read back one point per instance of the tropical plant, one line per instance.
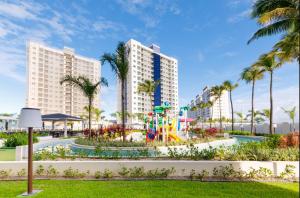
(148, 87)
(216, 92)
(251, 75)
(280, 16)
(241, 116)
(229, 86)
(268, 63)
(120, 66)
(292, 114)
(257, 117)
(88, 88)
(266, 113)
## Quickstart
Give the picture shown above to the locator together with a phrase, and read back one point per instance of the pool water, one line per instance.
(245, 139)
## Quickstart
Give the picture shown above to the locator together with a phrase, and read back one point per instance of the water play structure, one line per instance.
(164, 127)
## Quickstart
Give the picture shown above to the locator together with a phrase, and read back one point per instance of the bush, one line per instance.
(211, 132)
(102, 143)
(238, 132)
(18, 139)
(289, 140)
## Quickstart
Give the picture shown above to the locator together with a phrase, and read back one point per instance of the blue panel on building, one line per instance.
(157, 93)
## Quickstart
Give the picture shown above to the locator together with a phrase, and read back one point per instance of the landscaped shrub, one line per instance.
(51, 171)
(71, 173)
(22, 172)
(261, 173)
(136, 172)
(160, 173)
(40, 170)
(211, 132)
(238, 132)
(289, 140)
(4, 173)
(18, 139)
(107, 173)
(44, 155)
(193, 175)
(289, 171)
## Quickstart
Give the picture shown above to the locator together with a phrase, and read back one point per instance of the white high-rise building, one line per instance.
(148, 63)
(46, 66)
(211, 112)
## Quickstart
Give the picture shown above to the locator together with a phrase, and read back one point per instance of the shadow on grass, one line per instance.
(159, 188)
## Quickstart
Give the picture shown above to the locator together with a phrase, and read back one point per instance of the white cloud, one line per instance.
(239, 17)
(141, 8)
(284, 97)
(200, 56)
(229, 54)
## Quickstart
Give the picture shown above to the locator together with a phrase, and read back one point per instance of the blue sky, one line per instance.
(208, 38)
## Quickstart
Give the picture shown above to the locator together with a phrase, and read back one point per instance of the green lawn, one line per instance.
(7, 154)
(72, 188)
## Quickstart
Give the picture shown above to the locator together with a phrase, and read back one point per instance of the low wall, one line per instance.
(182, 167)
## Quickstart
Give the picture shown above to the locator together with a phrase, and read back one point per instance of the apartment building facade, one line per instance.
(46, 66)
(148, 63)
(213, 111)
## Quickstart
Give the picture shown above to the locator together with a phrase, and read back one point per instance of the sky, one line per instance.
(208, 37)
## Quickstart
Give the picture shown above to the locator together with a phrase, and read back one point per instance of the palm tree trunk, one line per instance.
(123, 109)
(232, 121)
(271, 104)
(252, 107)
(220, 113)
(90, 117)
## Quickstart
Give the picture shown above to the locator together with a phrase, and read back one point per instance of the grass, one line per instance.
(73, 188)
(7, 154)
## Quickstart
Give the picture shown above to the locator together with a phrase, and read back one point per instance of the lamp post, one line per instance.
(30, 118)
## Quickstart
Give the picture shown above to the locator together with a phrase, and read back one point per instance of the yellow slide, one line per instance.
(174, 136)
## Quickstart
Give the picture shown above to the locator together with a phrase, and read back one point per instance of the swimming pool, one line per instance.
(245, 139)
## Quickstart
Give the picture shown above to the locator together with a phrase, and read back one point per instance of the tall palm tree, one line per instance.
(251, 75)
(229, 86)
(277, 16)
(148, 87)
(120, 66)
(292, 114)
(88, 88)
(268, 63)
(216, 92)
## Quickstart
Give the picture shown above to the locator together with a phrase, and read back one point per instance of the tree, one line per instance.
(241, 116)
(120, 66)
(268, 63)
(88, 88)
(292, 114)
(229, 86)
(279, 17)
(251, 75)
(257, 117)
(267, 113)
(216, 92)
(148, 87)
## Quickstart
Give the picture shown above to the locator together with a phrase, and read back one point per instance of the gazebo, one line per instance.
(59, 117)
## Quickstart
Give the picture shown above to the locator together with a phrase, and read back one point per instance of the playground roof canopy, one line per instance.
(60, 117)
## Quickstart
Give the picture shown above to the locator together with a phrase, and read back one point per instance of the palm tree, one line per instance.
(88, 88)
(280, 16)
(216, 92)
(267, 113)
(229, 86)
(120, 66)
(257, 117)
(241, 116)
(148, 87)
(268, 63)
(251, 75)
(292, 114)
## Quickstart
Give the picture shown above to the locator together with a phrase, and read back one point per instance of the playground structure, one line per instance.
(163, 127)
